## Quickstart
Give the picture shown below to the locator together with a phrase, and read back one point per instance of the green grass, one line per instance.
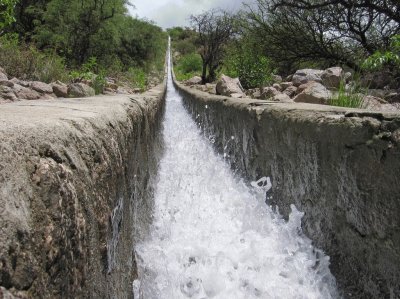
(351, 98)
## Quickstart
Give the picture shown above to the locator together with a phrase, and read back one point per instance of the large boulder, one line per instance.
(41, 87)
(377, 104)
(269, 92)
(21, 82)
(60, 89)
(314, 93)
(332, 77)
(80, 90)
(6, 83)
(227, 86)
(306, 75)
(194, 81)
(24, 93)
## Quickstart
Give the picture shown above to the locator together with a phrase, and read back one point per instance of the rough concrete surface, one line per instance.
(74, 176)
(339, 166)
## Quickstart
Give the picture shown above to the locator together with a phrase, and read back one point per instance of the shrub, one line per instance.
(137, 77)
(26, 62)
(188, 66)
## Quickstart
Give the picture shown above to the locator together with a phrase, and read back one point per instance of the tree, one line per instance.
(215, 28)
(6, 13)
(329, 32)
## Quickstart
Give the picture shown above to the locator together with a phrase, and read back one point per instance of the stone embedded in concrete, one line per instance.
(340, 166)
(74, 174)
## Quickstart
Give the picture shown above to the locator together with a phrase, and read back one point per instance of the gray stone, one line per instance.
(277, 78)
(60, 90)
(80, 90)
(3, 75)
(227, 86)
(306, 75)
(6, 83)
(283, 98)
(41, 87)
(393, 97)
(211, 88)
(290, 91)
(332, 77)
(24, 93)
(194, 81)
(21, 82)
(285, 85)
(277, 86)
(268, 92)
(313, 93)
(377, 104)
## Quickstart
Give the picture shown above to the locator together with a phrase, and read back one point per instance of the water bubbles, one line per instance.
(190, 287)
(213, 236)
(263, 184)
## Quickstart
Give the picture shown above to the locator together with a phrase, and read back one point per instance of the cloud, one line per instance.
(170, 13)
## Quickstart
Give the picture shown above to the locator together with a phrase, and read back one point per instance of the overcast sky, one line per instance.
(170, 13)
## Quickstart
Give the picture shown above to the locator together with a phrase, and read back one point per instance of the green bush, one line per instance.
(188, 66)
(26, 62)
(137, 77)
(254, 70)
(379, 59)
(189, 63)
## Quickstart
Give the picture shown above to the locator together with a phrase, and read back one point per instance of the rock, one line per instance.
(282, 97)
(7, 94)
(211, 88)
(25, 93)
(6, 83)
(41, 87)
(277, 86)
(227, 86)
(348, 76)
(20, 82)
(377, 104)
(290, 91)
(285, 85)
(393, 97)
(379, 80)
(269, 92)
(314, 93)
(277, 78)
(306, 75)
(111, 85)
(194, 81)
(254, 93)
(3, 75)
(379, 93)
(332, 77)
(238, 95)
(289, 78)
(78, 90)
(60, 90)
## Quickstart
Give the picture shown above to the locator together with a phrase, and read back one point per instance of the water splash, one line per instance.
(214, 237)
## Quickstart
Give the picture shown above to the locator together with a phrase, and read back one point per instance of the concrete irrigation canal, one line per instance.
(176, 193)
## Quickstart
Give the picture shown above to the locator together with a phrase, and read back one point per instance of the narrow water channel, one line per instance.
(213, 236)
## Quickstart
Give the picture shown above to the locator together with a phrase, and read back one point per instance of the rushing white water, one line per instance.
(213, 236)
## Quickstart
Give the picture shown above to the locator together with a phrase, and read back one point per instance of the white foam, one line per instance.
(214, 237)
